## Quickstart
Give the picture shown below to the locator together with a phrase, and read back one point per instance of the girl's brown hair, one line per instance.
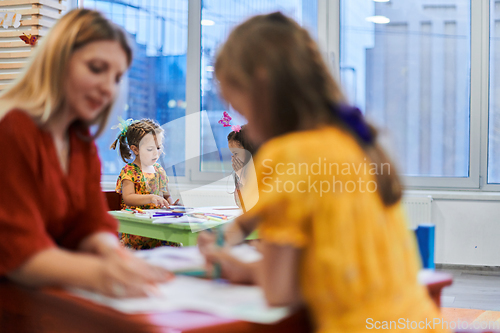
(279, 64)
(241, 138)
(133, 136)
(39, 90)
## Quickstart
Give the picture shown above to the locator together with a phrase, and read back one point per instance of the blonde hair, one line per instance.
(277, 62)
(39, 90)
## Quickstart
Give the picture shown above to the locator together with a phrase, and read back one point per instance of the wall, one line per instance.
(37, 18)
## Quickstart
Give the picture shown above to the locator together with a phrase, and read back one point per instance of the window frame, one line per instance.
(485, 98)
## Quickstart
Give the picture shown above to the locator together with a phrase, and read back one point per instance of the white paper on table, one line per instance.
(245, 253)
(191, 294)
(230, 212)
(174, 258)
(189, 257)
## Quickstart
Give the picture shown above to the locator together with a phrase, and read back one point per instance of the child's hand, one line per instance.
(206, 242)
(159, 201)
(233, 235)
(237, 163)
(231, 268)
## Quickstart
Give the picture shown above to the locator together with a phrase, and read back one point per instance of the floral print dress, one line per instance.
(144, 183)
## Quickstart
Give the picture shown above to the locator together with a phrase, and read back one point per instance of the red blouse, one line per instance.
(40, 205)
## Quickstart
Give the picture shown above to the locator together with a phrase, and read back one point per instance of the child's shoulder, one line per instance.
(326, 141)
(130, 168)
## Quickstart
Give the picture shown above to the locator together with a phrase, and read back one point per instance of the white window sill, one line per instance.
(436, 195)
(456, 195)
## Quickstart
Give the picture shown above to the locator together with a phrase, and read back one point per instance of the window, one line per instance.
(494, 95)
(416, 68)
(218, 17)
(155, 86)
(406, 64)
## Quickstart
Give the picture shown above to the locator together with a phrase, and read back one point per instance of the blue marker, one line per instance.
(168, 214)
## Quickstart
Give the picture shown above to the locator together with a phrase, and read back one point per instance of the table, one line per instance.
(131, 224)
(435, 282)
(24, 310)
(178, 233)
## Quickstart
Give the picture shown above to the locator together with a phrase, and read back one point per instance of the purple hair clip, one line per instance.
(225, 121)
(355, 120)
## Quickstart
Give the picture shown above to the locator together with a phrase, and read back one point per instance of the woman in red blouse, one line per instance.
(54, 226)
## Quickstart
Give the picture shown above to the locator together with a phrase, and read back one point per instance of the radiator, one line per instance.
(418, 210)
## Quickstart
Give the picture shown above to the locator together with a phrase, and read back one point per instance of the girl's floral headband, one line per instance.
(123, 125)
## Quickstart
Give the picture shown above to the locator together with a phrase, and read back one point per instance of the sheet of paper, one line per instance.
(189, 257)
(192, 294)
(174, 258)
(199, 224)
(229, 211)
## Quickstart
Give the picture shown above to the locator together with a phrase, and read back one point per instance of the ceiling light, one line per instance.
(207, 22)
(378, 19)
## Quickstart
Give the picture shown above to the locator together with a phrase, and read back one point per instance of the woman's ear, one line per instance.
(134, 149)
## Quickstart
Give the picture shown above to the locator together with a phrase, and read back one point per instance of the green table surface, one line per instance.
(178, 233)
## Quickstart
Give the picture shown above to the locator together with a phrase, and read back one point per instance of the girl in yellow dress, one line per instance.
(332, 228)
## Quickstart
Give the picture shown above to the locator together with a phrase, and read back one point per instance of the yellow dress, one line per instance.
(359, 263)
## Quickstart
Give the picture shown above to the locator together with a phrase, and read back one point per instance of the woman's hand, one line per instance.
(100, 243)
(117, 274)
(124, 275)
(158, 201)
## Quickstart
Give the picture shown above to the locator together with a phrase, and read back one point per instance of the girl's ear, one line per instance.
(134, 149)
